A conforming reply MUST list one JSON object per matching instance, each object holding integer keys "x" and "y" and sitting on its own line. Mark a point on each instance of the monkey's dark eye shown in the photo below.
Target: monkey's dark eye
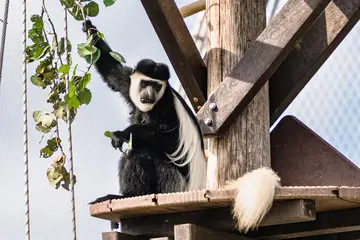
{"x": 143, "y": 84}
{"x": 157, "y": 87}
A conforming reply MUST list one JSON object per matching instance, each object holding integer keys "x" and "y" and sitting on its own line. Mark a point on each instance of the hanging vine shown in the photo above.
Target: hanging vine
{"x": 50, "y": 74}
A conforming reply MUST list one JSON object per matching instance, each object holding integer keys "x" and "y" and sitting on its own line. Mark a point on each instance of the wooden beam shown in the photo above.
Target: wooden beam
{"x": 336, "y": 236}
{"x": 193, "y": 232}
{"x": 192, "y": 8}
{"x": 258, "y": 64}
{"x": 180, "y": 48}
{"x": 311, "y": 52}
{"x": 232, "y": 26}
{"x": 119, "y": 236}
{"x": 218, "y": 219}
{"x": 325, "y": 223}
{"x": 297, "y": 149}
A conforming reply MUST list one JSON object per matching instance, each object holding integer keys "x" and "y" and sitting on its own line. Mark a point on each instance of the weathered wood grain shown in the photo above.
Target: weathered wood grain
{"x": 218, "y": 219}
{"x": 311, "y": 52}
{"x": 258, "y": 64}
{"x": 194, "y": 232}
{"x": 119, "y": 236}
{"x": 180, "y": 48}
{"x": 325, "y": 223}
{"x": 232, "y": 26}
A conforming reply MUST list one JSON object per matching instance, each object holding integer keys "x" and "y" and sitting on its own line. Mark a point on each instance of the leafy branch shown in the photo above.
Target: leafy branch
{"x": 51, "y": 74}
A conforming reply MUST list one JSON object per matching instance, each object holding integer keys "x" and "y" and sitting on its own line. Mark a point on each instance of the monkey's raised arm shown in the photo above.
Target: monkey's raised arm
{"x": 112, "y": 71}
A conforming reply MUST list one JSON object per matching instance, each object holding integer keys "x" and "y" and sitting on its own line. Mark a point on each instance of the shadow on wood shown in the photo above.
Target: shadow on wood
{"x": 302, "y": 158}
{"x": 193, "y": 232}
{"x": 325, "y": 223}
{"x": 218, "y": 219}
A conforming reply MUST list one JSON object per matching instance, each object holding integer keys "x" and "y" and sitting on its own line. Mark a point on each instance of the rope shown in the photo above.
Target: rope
{"x": 26, "y": 156}
{"x": 72, "y": 180}
{"x": 3, "y": 36}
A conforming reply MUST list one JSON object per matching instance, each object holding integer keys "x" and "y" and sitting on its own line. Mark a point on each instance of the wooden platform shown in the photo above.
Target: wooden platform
{"x": 326, "y": 199}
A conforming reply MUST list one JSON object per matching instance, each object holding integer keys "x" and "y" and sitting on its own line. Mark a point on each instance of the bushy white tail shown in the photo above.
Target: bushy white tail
{"x": 255, "y": 192}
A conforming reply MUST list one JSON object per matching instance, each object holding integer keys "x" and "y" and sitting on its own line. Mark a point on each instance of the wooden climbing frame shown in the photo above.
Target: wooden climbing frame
{"x": 320, "y": 193}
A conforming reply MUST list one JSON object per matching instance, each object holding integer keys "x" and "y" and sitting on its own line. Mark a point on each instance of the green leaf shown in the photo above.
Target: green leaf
{"x": 84, "y": 96}
{"x": 100, "y": 35}
{"x": 46, "y": 152}
{"x": 118, "y": 57}
{"x": 108, "y": 134}
{"x": 84, "y": 81}
{"x": 64, "y": 69}
{"x": 62, "y": 46}
{"x": 129, "y": 145}
{"x": 85, "y": 49}
{"x": 108, "y": 3}
{"x": 53, "y": 144}
{"x": 93, "y": 59}
{"x": 71, "y": 89}
{"x": 60, "y": 109}
{"x": 45, "y": 122}
{"x": 72, "y": 102}
{"x": 37, "y": 115}
{"x": 67, "y": 3}
{"x": 37, "y": 82}
{"x": 54, "y": 176}
{"x": 91, "y": 9}
{"x": 76, "y": 13}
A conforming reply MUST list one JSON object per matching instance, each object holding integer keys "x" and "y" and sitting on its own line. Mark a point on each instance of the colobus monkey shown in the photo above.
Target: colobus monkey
{"x": 167, "y": 148}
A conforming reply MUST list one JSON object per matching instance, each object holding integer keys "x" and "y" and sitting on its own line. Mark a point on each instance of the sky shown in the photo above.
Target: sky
{"x": 328, "y": 105}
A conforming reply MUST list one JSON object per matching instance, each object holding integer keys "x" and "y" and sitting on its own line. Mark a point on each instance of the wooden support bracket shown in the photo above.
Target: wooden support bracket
{"x": 296, "y": 148}
{"x": 258, "y": 64}
{"x": 310, "y": 53}
{"x": 325, "y": 223}
{"x": 180, "y": 48}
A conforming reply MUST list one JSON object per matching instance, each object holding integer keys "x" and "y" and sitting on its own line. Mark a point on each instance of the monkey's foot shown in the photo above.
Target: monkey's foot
{"x": 107, "y": 197}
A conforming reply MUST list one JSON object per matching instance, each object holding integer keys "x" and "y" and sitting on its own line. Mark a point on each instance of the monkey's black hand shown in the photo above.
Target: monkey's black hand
{"x": 88, "y": 27}
{"x": 118, "y": 138}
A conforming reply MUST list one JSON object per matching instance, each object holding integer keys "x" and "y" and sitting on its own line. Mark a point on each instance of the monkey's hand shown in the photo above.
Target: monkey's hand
{"x": 89, "y": 28}
{"x": 118, "y": 138}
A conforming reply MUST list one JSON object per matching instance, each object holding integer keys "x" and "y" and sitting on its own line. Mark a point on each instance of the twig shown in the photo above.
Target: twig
{"x": 54, "y": 31}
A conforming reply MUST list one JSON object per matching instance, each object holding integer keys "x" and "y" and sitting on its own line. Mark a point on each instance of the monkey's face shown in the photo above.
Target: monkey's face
{"x": 146, "y": 92}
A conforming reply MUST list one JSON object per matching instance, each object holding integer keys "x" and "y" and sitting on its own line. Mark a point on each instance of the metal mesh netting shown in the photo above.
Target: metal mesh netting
{"x": 329, "y": 102}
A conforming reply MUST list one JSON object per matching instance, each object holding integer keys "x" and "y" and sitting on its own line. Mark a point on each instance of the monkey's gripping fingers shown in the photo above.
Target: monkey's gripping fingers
{"x": 118, "y": 138}
{"x": 88, "y": 27}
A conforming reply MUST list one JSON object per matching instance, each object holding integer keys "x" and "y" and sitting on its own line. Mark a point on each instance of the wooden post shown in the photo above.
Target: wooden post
{"x": 232, "y": 26}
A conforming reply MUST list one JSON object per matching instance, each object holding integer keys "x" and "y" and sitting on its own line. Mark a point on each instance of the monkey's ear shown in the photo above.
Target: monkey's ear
{"x": 153, "y": 69}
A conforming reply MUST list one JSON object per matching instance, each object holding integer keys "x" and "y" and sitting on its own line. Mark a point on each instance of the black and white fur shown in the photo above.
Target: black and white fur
{"x": 167, "y": 148}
